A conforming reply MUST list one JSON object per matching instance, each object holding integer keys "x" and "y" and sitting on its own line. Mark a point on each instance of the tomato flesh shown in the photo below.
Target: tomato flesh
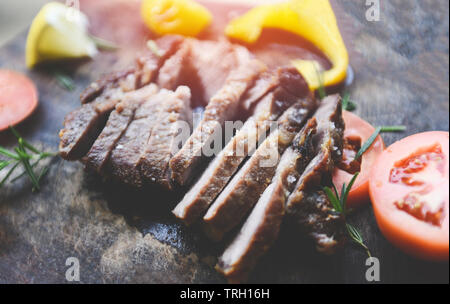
{"x": 406, "y": 171}
{"x": 409, "y": 189}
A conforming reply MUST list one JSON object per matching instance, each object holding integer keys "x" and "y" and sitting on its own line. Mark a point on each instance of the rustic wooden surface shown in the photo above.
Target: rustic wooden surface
{"x": 401, "y": 66}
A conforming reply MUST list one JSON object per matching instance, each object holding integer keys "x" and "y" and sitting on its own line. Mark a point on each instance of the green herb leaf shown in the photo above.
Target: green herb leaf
{"x": 368, "y": 143}
{"x": 64, "y": 81}
{"x": 344, "y": 194}
{"x": 23, "y": 158}
{"x": 24, "y": 142}
{"x": 8, "y": 175}
{"x": 8, "y": 154}
{"x": 333, "y": 199}
{"x": 104, "y": 44}
{"x": 347, "y": 104}
{"x": 321, "y": 89}
{"x": 357, "y": 237}
{"x": 386, "y": 129}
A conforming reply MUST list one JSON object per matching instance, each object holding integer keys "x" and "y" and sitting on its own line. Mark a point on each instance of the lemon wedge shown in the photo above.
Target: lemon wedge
{"x": 58, "y": 32}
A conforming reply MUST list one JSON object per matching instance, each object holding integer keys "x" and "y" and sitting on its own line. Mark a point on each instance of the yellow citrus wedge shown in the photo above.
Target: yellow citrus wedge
{"x": 58, "y": 32}
{"x": 183, "y": 17}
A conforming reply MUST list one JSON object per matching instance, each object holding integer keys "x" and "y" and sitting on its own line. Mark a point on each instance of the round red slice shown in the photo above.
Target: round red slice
{"x": 409, "y": 188}
{"x": 357, "y": 132}
{"x": 18, "y": 98}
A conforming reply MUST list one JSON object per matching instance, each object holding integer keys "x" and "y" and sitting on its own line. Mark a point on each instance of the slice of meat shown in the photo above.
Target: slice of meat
{"x": 125, "y": 158}
{"x": 164, "y": 141}
{"x": 308, "y": 206}
{"x": 222, "y": 107}
{"x": 212, "y": 62}
{"x": 263, "y": 225}
{"x": 172, "y": 73}
{"x": 244, "y": 190}
{"x": 150, "y": 63}
{"x": 84, "y": 125}
{"x": 265, "y": 83}
{"x": 96, "y": 88}
{"x": 223, "y": 167}
{"x": 118, "y": 122}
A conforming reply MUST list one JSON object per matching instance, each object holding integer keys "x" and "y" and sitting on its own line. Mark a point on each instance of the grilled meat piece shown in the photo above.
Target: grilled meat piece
{"x": 222, "y": 107}
{"x": 84, "y": 125}
{"x": 223, "y": 167}
{"x": 130, "y": 150}
{"x": 244, "y": 190}
{"x": 262, "y": 226}
{"x": 117, "y": 124}
{"x": 308, "y": 206}
{"x": 164, "y": 142}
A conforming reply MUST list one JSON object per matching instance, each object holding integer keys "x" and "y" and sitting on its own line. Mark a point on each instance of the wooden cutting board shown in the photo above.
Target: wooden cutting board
{"x": 401, "y": 67}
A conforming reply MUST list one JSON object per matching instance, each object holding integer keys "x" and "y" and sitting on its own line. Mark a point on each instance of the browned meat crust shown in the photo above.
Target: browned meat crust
{"x": 250, "y": 182}
{"x": 263, "y": 225}
{"x": 222, "y": 107}
{"x": 118, "y": 122}
{"x": 164, "y": 142}
{"x": 308, "y": 206}
{"x": 129, "y": 151}
{"x": 84, "y": 125}
{"x": 223, "y": 167}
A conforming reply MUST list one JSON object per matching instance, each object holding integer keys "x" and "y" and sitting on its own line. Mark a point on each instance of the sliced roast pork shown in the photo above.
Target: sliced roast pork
{"x": 308, "y": 206}
{"x": 117, "y": 124}
{"x": 129, "y": 151}
{"x": 244, "y": 190}
{"x": 223, "y": 107}
{"x": 167, "y": 136}
{"x": 262, "y": 226}
{"x": 223, "y": 167}
{"x": 83, "y": 126}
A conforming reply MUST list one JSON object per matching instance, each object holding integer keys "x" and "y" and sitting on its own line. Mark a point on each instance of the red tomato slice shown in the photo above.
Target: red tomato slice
{"x": 357, "y": 132}
{"x": 18, "y": 98}
{"x": 409, "y": 188}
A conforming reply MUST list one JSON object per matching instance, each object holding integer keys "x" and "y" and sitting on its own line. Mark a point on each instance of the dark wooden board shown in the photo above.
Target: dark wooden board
{"x": 401, "y": 66}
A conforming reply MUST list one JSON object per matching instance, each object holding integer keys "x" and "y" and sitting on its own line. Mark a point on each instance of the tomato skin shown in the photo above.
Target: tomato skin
{"x": 18, "y": 98}
{"x": 413, "y": 236}
{"x": 356, "y": 127}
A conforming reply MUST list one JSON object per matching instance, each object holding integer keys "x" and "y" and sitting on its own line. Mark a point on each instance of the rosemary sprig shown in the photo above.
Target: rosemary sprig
{"x": 64, "y": 81}
{"x": 374, "y": 136}
{"x": 339, "y": 203}
{"x": 23, "y": 154}
{"x": 387, "y": 129}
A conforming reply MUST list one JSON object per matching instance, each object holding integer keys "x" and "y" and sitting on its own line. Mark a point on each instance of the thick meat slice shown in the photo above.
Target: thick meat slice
{"x": 83, "y": 126}
{"x": 308, "y": 206}
{"x": 164, "y": 141}
{"x": 149, "y": 64}
{"x": 212, "y": 62}
{"x": 248, "y": 184}
{"x": 110, "y": 81}
{"x": 222, "y": 107}
{"x": 126, "y": 157}
{"x": 223, "y": 167}
{"x": 263, "y": 225}
{"x": 117, "y": 123}
{"x": 172, "y": 73}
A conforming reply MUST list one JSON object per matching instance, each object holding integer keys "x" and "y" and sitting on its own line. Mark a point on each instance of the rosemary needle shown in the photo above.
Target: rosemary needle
{"x": 64, "y": 81}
